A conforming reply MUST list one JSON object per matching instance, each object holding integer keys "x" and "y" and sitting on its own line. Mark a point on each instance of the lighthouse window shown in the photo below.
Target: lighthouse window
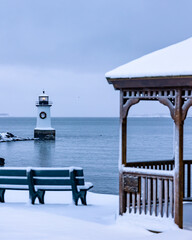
{"x": 43, "y": 115}
{"x": 43, "y": 99}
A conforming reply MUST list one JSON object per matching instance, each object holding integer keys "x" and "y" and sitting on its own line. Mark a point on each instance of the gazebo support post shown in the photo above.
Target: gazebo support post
{"x": 122, "y": 155}
{"x": 124, "y": 109}
{"x": 178, "y": 179}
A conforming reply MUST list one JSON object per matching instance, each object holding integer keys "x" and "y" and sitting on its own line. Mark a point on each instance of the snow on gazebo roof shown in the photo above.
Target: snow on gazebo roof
{"x": 175, "y": 60}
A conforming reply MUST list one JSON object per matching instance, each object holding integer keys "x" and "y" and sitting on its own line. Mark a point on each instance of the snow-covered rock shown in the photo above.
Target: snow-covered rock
{"x": 9, "y": 137}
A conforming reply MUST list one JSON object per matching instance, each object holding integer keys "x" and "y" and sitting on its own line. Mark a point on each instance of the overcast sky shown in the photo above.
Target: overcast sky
{"x": 66, "y": 46}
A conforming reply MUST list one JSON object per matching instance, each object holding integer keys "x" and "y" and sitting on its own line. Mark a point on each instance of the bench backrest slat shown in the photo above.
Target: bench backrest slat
{"x": 13, "y": 181}
{"x": 13, "y": 172}
{"x": 51, "y": 181}
{"x": 50, "y": 173}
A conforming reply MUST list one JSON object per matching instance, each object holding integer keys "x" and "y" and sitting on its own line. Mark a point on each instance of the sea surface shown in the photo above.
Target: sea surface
{"x": 93, "y": 144}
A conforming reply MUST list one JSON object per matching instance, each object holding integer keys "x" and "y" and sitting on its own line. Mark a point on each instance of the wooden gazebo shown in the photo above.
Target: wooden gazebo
{"x": 156, "y": 187}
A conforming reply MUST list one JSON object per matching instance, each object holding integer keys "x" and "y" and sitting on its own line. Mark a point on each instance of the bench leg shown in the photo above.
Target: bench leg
{"x": 2, "y": 193}
{"x": 32, "y": 198}
{"x": 75, "y": 198}
{"x": 41, "y": 194}
{"x": 83, "y": 197}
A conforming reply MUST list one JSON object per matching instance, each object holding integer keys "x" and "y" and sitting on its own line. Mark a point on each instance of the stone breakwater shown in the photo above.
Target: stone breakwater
{"x": 9, "y": 137}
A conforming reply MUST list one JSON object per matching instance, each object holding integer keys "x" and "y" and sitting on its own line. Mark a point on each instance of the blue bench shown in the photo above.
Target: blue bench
{"x": 40, "y": 180}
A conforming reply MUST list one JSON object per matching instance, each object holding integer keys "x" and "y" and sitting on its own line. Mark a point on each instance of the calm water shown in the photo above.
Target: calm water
{"x": 92, "y": 143}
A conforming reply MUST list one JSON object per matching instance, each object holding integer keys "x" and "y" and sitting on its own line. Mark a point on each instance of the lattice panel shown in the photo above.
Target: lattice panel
{"x": 187, "y": 94}
{"x": 155, "y": 94}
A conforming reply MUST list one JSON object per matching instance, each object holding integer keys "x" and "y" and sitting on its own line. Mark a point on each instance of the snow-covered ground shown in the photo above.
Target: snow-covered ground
{"x": 58, "y": 218}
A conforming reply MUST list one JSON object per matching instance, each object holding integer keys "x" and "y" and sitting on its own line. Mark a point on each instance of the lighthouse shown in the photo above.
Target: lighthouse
{"x": 43, "y": 128}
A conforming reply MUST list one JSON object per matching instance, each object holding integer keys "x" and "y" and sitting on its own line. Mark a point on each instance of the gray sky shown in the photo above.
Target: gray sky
{"x": 65, "y": 47}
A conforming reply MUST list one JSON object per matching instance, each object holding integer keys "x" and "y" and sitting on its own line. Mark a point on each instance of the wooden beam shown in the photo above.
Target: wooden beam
{"x": 172, "y": 82}
{"x": 178, "y": 179}
{"x": 123, "y": 132}
{"x": 122, "y": 157}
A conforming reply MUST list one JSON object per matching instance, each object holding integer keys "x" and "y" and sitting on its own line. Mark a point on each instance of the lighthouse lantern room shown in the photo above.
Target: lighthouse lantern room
{"x": 43, "y": 128}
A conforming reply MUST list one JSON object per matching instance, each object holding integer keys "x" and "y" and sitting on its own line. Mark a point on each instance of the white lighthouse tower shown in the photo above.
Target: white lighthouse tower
{"x": 43, "y": 128}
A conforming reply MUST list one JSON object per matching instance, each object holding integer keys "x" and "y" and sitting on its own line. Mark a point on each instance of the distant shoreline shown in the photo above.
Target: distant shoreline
{"x": 141, "y": 116}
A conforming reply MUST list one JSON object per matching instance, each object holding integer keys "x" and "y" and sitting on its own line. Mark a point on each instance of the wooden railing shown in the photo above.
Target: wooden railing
{"x": 169, "y": 165}
{"x": 149, "y": 191}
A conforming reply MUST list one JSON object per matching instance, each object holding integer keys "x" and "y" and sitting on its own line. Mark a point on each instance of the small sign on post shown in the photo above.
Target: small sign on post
{"x": 130, "y": 183}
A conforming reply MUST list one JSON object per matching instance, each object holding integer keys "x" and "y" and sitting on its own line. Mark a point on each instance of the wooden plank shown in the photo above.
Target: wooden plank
{"x": 122, "y": 196}
{"x": 50, "y": 173}
{"x": 129, "y": 202}
{"x": 155, "y": 196}
{"x": 163, "y": 166}
{"x": 171, "y": 82}
{"x": 172, "y": 199}
{"x": 144, "y": 194}
{"x": 56, "y": 181}
{"x": 189, "y": 180}
{"x": 13, "y": 172}
{"x": 166, "y": 197}
{"x": 51, "y": 182}
{"x": 151, "y": 163}
{"x": 160, "y": 188}
{"x": 184, "y": 191}
{"x": 163, "y": 175}
{"x": 178, "y": 179}
{"x": 149, "y": 195}
{"x": 124, "y": 141}
{"x": 14, "y": 181}
{"x": 133, "y": 203}
{"x": 139, "y": 203}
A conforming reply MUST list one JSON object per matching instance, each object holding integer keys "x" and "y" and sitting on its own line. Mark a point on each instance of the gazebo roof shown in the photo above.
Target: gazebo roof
{"x": 168, "y": 67}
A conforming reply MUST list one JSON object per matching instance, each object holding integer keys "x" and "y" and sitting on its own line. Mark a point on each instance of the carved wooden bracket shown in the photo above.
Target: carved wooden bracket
{"x": 171, "y": 107}
{"x": 127, "y": 105}
{"x": 169, "y": 104}
{"x": 185, "y": 108}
